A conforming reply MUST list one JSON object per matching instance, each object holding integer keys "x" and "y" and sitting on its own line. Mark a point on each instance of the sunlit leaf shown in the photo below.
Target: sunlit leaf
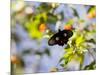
{"x": 80, "y": 39}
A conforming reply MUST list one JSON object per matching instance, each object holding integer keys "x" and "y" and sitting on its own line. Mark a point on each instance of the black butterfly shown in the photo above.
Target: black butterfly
{"x": 60, "y": 38}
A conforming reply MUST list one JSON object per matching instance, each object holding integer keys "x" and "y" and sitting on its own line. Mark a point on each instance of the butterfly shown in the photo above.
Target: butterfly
{"x": 60, "y": 38}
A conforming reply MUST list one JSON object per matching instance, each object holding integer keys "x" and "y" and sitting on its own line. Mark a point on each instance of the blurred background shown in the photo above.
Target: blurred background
{"x": 32, "y": 25}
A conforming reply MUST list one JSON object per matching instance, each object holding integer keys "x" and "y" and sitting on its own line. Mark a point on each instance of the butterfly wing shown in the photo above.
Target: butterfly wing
{"x": 59, "y": 38}
{"x": 52, "y": 40}
{"x": 55, "y": 39}
{"x": 68, "y": 32}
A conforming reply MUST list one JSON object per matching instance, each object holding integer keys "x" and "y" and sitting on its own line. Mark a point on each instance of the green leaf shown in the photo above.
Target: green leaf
{"x": 47, "y": 52}
{"x": 61, "y": 59}
{"x": 91, "y": 8}
{"x": 91, "y": 66}
{"x": 70, "y": 22}
{"x": 75, "y": 12}
{"x": 62, "y": 65}
{"x": 80, "y": 39}
{"x": 44, "y": 7}
{"x": 51, "y": 18}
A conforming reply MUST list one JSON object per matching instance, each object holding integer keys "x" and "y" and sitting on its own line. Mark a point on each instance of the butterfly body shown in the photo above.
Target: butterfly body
{"x": 60, "y": 38}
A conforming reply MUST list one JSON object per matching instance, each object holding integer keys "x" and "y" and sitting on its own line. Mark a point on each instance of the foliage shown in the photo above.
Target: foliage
{"x": 37, "y": 25}
{"x": 77, "y": 47}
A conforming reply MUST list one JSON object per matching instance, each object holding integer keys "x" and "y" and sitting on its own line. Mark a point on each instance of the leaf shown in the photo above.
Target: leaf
{"x": 61, "y": 59}
{"x": 69, "y": 49}
{"x": 44, "y": 7}
{"x": 70, "y": 22}
{"x": 68, "y": 46}
{"x": 80, "y": 58}
{"x": 51, "y": 18}
{"x": 47, "y": 52}
{"x": 44, "y": 15}
{"x": 91, "y": 8}
{"x": 75, "y": 12}
{"x": 62, "y": 65}
{"x": 80, "y": 39}
{"x": 91, "y": 41}
{"x": 38, "y": 53}
{"x": 35, "y": 34}
{"x": 91, "y": 66}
